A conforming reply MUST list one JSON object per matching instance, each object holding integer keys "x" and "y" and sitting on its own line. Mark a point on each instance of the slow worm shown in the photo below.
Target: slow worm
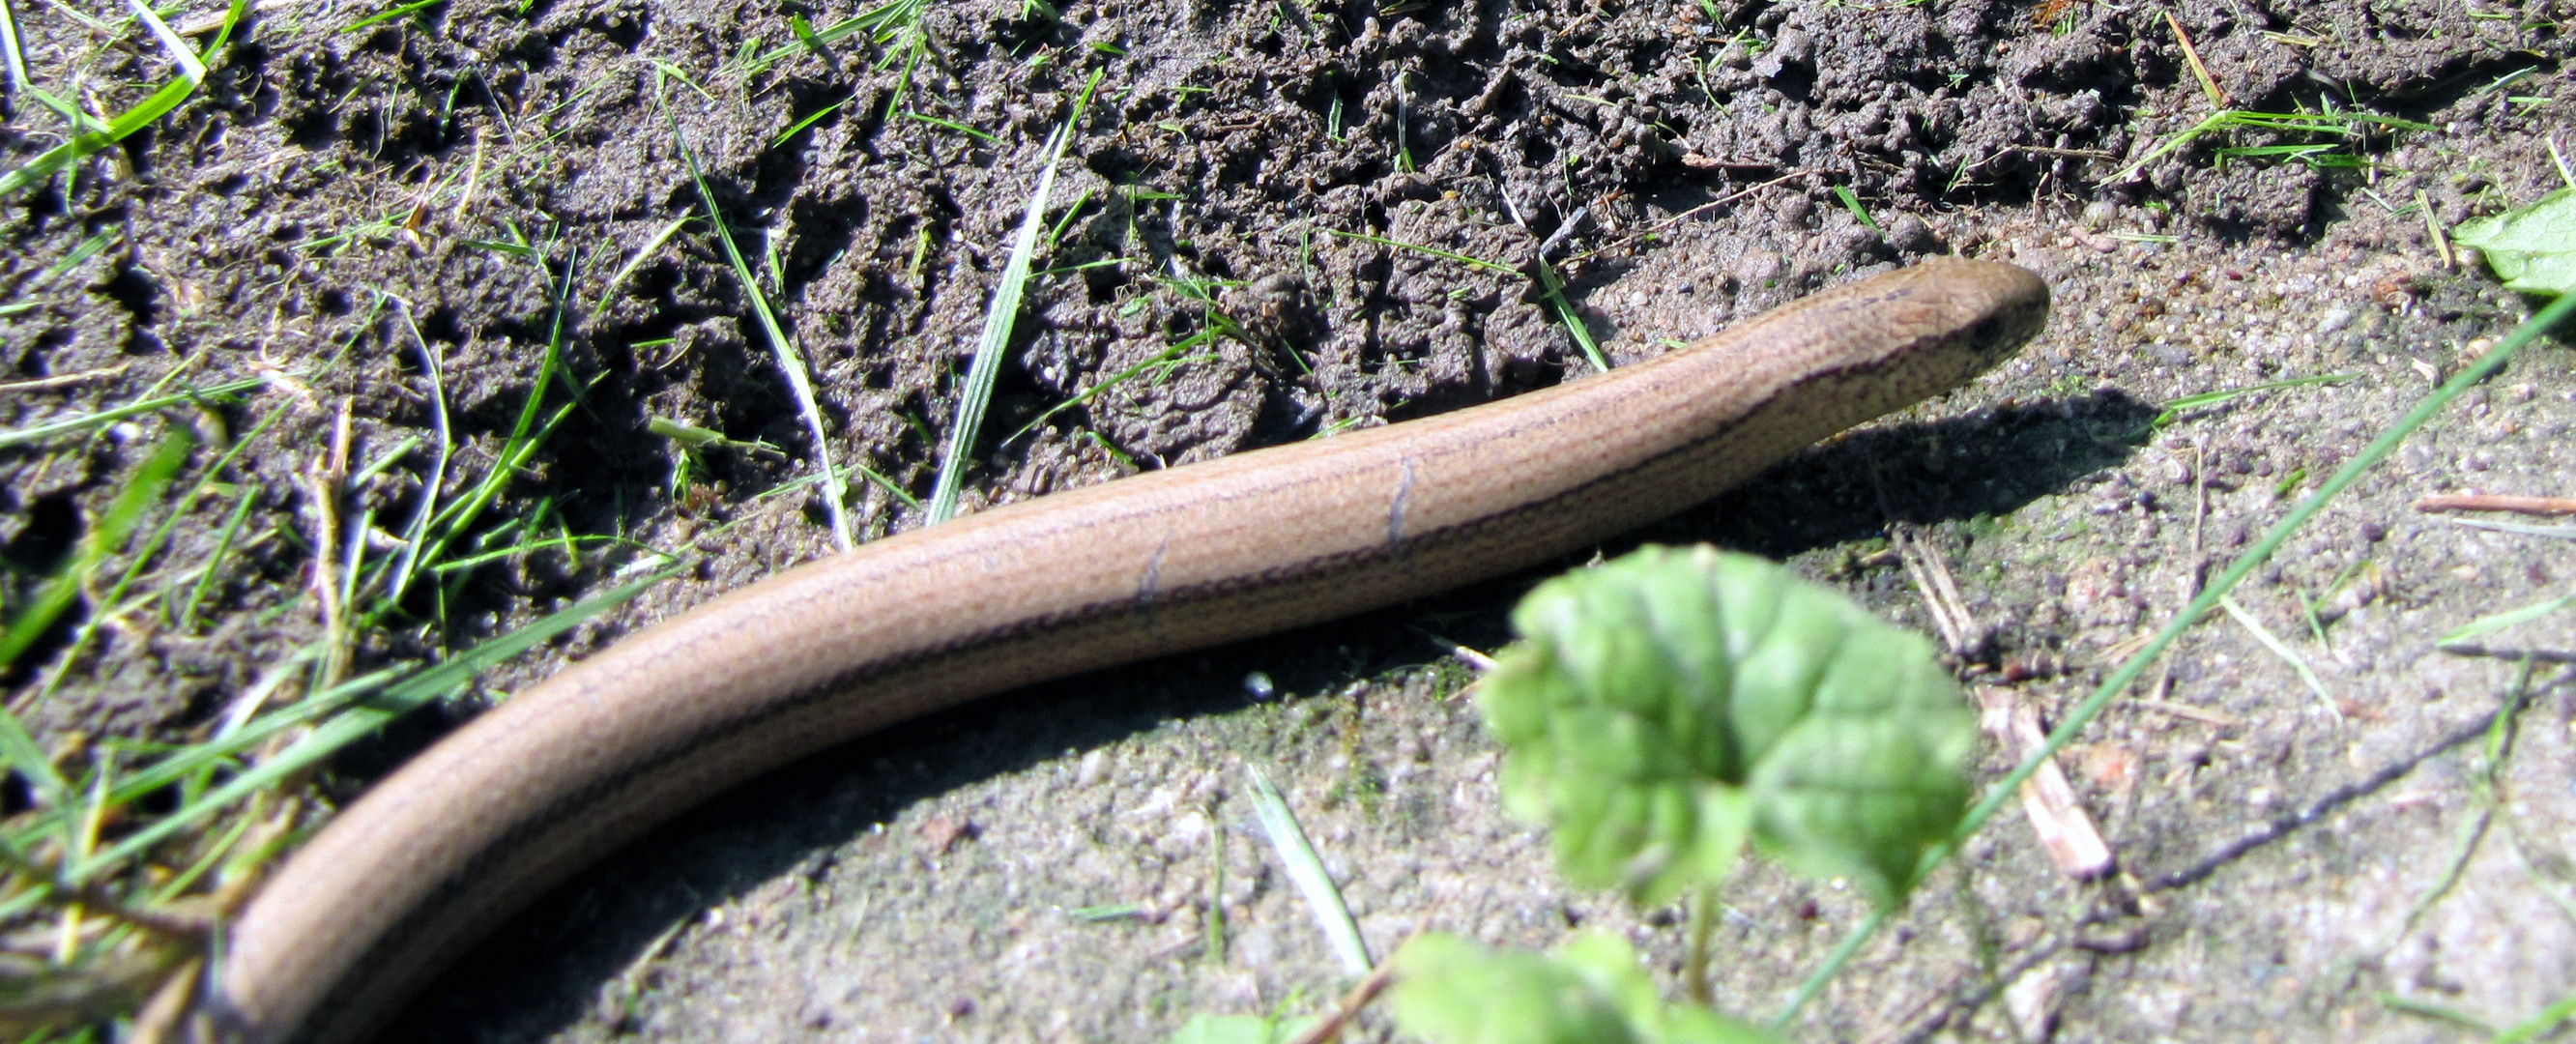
{"x": 435, "y": 856}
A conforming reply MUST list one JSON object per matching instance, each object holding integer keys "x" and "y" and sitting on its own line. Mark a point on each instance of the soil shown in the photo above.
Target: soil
{"x": 482, "y": 184}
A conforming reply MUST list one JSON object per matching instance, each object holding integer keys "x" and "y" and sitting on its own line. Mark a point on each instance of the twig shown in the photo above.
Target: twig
{"x": 2433, "y": 230}
{"x": 2282, "y": 649}
{"x": 2280, "y": 825}
{"x": 2496, "y": 502}
{"x": 2204, "y": 715}
{"x": 213, "y": 20}
{"x": 473, "y": 180}
{"x": 322, "y": 483}
{"x": 1475, "y": 660}
{"x": 63, "y": 380}
{"x": 2068, "y": 153}
{"x": 160, "y": 1018}
{"x": 2199, "y": 495}
{"x": 1931, "y": 575}
{"x": 2065, "y": 830}
{"x": 1659, "y": 226}
{"x": 176, "y": 925}
{"x": 1359, "y": 997}
{"x": 2502, "y": 653}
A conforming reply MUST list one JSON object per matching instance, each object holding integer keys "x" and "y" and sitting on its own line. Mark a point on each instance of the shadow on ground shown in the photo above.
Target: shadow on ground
{"x": 539, "y": 974}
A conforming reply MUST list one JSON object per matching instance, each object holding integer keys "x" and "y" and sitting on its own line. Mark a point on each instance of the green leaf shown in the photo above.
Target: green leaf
{"x": 1590, "y": 991}
{"x": 2531, "y": 247}
{"x": 1666, "y": 707}
{"x": 1240, "y": 1029}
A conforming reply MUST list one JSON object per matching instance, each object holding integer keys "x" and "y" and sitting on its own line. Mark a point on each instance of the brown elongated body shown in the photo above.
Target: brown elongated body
{"x": 435, "y": 856}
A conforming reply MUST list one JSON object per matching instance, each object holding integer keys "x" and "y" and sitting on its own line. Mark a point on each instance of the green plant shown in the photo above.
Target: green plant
{"x": 128, "y": 850}
{"x": 689, "y": 440}
{"x": 89, "y": 135}
{"x": 2531, "y": 247}
{"x": 1851, "y": 202}
{"x": 1664, "y": 708}
{"x": 1589, "y": 991}
{"x": 1660, "y": 713}
{"x": 893, "y": 28}
{"x": 2340, "y": 124}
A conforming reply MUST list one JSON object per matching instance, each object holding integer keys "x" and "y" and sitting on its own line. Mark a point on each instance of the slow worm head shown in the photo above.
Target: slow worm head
{"x": 434, "y": 857}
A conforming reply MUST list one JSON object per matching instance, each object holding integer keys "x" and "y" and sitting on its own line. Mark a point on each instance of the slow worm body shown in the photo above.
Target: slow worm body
{"x": 435, "y": 856}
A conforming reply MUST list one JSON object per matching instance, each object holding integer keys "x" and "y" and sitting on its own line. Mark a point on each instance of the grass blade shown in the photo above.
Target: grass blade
{"x": 2176, "y": 408}
{"x": 2508, "y": 618}
{"x": 18, "y": 750}
{"x": 49, "y": 429}
{"x": 1573, "y": 320}
{"x": 105, "y": 538}
{"x": 2430, "y": 1010}
{"x": 527, "y": 434}
{"x": 2531, "y": 1028}
{"x": 190, "y": 65}
{"x": 642, "y": 254}
{"x": 2566, "y": 532}
{"x": 417, "y": 531}
{"x": 999, "y": 317}
{"x": 13, "y": 54}
{"x": 1166, "y": 357}
{"x": 1306, "y": 870}
{"x": 780, "y": 347}
{"x": 2282, "y": 649}
{"x": 1445, "y": 255}
{"x": 112, "y": 601}
{"x": 186, "y": 618}
{"x": 192, "y": 69}
{"x": 361, "y": 720}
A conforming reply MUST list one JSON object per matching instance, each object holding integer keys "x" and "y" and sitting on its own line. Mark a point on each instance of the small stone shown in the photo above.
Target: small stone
{"x": 1757, "y": 267}
{"x": 1908, "y": 234}
{"x": 2032, "y": 1002}
{"x": 942, "y": 834}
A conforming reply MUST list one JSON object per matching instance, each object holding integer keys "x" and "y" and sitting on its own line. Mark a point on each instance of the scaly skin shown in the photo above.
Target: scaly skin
{"x": 437, "y": 855}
